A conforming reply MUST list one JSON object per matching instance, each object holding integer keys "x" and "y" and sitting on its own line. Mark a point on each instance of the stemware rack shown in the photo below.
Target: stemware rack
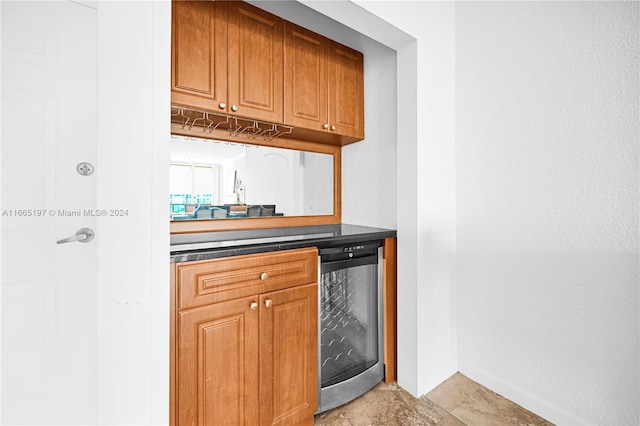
{"x": 210, "y": 121}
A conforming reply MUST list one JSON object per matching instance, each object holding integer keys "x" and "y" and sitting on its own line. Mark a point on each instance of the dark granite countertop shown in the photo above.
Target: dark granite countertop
{"x": 210, "y": 245}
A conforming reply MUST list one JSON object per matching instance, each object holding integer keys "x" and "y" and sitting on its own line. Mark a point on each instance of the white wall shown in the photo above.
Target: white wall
{"x": 547, "y": 133}
{"x": 133, "y": 258}
{"x": 425, "y": 187}
{"x": 369, "y": 176}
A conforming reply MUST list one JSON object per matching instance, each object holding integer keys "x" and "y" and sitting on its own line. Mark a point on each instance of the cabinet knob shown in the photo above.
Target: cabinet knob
{"x": 222, "y": 105}
{"x": 268, "y": 303}
{"x": 234, "y": 108}
{"x": 253, "y": 306}
{"x": 264, "y": 276}
{"x": 333, "y": 127}
{"x": 325, "y": 126}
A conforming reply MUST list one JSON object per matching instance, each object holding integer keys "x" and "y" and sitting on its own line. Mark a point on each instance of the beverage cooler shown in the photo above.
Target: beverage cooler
{"x": 350, "y": 324}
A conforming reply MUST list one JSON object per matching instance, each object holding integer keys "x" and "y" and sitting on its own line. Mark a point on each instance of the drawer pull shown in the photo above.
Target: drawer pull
{"x": 268, "y": 303}
{"x": 253, "y": 306}
{"x": 264, "y": 276}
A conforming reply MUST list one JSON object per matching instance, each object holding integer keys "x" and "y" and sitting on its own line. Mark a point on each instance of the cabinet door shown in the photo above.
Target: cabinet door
{"x": 346, "y": 91}
{"x": 199, "y": 53}
{"x": 305, "y": 78}
{"x": 289, "y": 356}
{"x": 255, "y": 62}
{"x": 217, "y": 364}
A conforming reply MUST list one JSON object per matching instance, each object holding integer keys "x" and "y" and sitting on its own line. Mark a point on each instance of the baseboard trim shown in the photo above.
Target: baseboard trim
{"x": 435, "y": 377}
{"x": 522, "y": 397}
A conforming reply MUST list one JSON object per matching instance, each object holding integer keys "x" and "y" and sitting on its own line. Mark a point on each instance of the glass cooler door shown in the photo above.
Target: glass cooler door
{"x": 348, "y": 319}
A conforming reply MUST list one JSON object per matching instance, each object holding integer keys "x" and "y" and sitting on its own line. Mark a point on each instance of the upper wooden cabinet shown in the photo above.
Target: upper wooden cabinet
{"x": 199, "y": 53}
{"x": 346, "y": 91}
{"x": 305, "y": 78}
{"x": 227, "y": 57}
{"x": 234, "y": 58}
{"x": 324, "y": 86}
{"x": 255, "y": 62}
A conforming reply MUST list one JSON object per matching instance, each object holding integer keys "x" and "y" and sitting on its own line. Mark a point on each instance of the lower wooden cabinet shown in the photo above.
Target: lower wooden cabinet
{"x": 289, "y": 356}
{"x": 218, "y": 355}
{"x": 249, "y": 360}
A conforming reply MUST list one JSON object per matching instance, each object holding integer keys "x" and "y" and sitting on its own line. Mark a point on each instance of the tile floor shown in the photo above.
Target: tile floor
{"x": 458, "y": 401}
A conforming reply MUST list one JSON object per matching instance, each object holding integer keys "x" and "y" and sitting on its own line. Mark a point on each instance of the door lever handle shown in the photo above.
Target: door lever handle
{"x": 84, "y": 235}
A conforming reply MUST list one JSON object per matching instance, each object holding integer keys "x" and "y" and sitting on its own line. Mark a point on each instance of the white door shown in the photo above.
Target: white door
{"x": 48, "y": 290}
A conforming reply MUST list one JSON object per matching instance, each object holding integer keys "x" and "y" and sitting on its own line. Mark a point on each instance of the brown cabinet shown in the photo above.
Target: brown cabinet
{"x": 234, "y": 58}
{"x": 218, "y": 355}
{"x": 245, "y": 340}
{"x": 289, "y": 356}
{"x": 199, "y": 53}
{"x": 255, "y": 62}
{"x": 324, "y": 84}
{"x": 227, "y": 57}
{"x": 346, "y": 91}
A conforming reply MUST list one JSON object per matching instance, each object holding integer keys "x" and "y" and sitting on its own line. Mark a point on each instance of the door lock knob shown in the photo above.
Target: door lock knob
{"x": 85, "y": 169}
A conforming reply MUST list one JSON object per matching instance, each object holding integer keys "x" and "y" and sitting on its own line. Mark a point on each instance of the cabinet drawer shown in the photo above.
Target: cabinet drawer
{"x": 217, "y": 280}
